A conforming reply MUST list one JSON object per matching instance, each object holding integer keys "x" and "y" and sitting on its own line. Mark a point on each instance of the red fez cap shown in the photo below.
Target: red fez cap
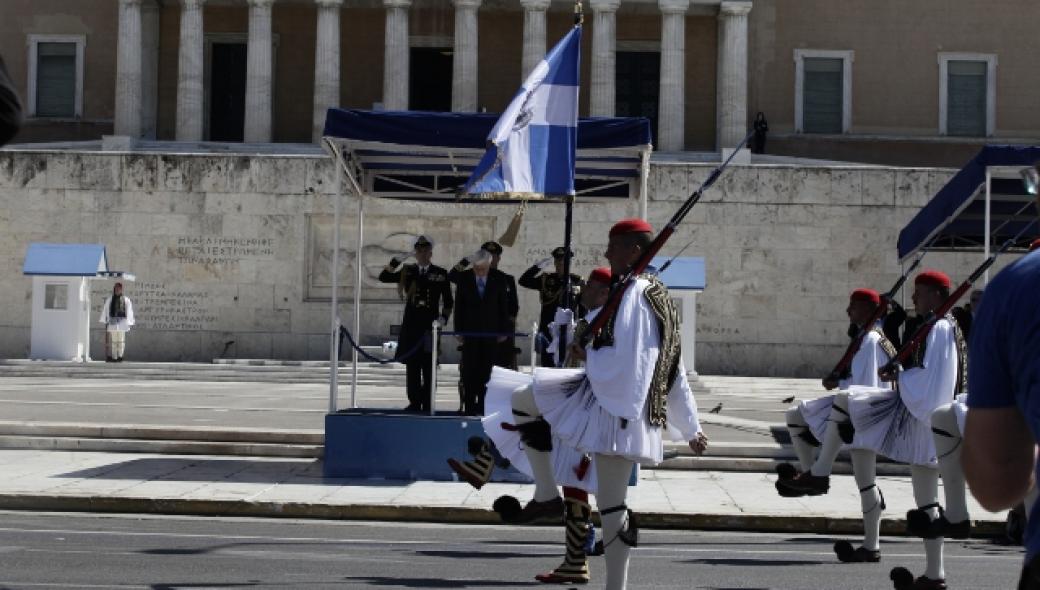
{"x": 866, "y": 295}
{"x": 600, "y": 275}
{"x": 933, "y": 278}
{"x": 633, "y": 225}
{"x": 1035, "y": 245}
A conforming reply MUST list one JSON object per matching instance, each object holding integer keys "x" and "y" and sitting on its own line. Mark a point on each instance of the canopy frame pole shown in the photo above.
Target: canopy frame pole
{"x": 644, "y": 182}
{"x": 358, "y": 266}
{"x": 986, "y": 233}
{"x": 334, "y": 343}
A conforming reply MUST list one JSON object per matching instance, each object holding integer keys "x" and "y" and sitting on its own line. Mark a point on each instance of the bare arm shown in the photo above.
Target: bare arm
{"x": 998, "y": 456}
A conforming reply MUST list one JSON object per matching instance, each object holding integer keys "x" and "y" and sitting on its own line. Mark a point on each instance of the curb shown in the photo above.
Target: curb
{"x": 444, "y": 514}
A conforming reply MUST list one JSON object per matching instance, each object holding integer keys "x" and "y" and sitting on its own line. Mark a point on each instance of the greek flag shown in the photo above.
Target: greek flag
{"x": 531, "y": 149}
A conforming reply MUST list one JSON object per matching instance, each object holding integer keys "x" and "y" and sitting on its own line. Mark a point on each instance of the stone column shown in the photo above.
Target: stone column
{"x": 534, "y": 34}
{"x": 258, "y": 73}
{"x": 189, "y": 73}
{"x": 128, "y": 70}
{"x": 671, "y": 124}
{"x": 464, "y": 64}
{"x": 395, "y": 57}
{"x": 326, "y": 63}
{"x": 732, "y": 82}
{"x": 604, "y": 41}
{"x": 149, "y": 68}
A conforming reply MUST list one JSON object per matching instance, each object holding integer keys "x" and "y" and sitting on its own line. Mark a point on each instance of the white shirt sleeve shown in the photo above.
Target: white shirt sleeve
{"x": 104, "y": 310}
{"x": 682, "y": 408}
{"x": 923, "y": 389}
{"x": 129, "y": 312}
{"x": 620, "y": 375}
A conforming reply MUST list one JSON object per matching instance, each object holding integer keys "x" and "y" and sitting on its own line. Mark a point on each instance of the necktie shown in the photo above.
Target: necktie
{"x": 480, "y": 286}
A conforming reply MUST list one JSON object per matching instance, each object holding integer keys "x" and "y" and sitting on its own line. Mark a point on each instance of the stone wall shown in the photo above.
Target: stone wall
{"x": 237, "y": 248}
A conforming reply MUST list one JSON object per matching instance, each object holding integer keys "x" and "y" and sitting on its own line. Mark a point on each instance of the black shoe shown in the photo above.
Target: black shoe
{"x": 804, "y": 484}
{"x": 109, "y": 359}
{"x": 509, "y": 509}
{"x": 846, "y": 554}
{"x": 413, "y": 408}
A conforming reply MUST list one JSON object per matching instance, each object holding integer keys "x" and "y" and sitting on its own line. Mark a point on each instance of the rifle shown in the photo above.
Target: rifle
{"x": 933, "y": 316}
{"x": 619, "y": 288}
{"x": 887, "y": 298}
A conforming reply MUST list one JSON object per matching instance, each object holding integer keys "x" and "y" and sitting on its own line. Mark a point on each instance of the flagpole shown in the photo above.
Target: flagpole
{"x": 568, "y": 225}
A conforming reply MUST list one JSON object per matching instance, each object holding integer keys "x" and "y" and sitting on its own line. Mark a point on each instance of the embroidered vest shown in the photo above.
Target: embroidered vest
{"x": 917, "y": 358}
{"x": 667, "y": 367}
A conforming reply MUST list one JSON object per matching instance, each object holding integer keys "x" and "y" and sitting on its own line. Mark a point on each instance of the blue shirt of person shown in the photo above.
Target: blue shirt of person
{"x": 1004, "y": 362}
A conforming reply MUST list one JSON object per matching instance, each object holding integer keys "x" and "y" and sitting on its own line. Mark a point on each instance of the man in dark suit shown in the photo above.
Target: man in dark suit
{"x": 483, "y": 300}
{"x": 425, "y": 289}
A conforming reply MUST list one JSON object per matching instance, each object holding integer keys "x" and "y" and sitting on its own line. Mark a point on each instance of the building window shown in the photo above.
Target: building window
{"x": 822, "y": 91}
{"x": 56, "y": 296}
{"x": 56, "y": 76}
{"x": 638, "y": 85}
{"x": 967, "y": 94}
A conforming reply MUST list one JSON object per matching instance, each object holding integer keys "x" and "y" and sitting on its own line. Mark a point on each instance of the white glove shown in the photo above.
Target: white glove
{"x": 397, "y": 259}
{"x": 564, "y": 317}
{"x": 545, "y": 263}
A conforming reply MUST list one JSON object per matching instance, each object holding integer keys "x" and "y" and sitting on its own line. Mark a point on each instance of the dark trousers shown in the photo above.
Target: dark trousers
{"x": 420, "y": 373}
{"x": 477, "y": 359}
{"x": 1030, "y": 575}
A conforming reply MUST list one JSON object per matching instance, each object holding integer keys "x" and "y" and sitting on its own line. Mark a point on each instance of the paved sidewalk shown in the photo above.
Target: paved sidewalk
{"x": 172, "y": 484}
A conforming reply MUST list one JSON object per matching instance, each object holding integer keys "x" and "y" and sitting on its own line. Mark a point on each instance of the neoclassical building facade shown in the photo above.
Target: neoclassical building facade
{"x": 864, "y": 80}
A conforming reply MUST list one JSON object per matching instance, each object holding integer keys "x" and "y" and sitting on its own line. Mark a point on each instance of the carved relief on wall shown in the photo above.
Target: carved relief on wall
{"x": 384, "y": 237}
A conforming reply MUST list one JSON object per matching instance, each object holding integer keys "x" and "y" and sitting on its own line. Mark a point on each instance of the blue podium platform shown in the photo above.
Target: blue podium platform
{"x": 391, "y": 444}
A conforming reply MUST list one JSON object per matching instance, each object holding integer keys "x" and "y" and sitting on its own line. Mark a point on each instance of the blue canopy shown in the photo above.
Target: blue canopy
{"x": 955, "y": 217}
{"x": 424, "y": 155}
{"x": 71, "y": 260}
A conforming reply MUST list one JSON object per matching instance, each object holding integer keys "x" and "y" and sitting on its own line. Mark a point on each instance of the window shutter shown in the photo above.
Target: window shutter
{"x": 822, "y": 90}
{"x": 56, "y": 80}
{"x": 966, "y": 98}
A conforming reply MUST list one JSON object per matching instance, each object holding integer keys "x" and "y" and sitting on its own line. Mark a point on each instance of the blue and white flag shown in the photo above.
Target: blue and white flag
{"x": 532, "y": 147}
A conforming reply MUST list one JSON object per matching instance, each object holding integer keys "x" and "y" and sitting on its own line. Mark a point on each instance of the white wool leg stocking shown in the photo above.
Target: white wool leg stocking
{"x": 864, "y": 468}
{"x": 541, "y": 465}
{"x": 948, "y": 448}
{"x": 796, "y": 425}
{"x": 613, "y": 473}
{"x": 926, "y": 491}
{"x": 831, "y": 443}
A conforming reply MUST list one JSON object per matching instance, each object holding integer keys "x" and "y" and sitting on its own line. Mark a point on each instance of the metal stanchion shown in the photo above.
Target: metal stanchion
{"x": 534, "y": 340}
{"x": 433, "y": 368}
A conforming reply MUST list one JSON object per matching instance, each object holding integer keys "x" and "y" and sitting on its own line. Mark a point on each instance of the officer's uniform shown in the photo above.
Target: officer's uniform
{"x": 550, "y": 289}
{"x": 427, "y": 296}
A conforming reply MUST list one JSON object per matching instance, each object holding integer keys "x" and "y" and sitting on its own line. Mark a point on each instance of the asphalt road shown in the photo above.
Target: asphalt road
{"x": 102, "y": 552}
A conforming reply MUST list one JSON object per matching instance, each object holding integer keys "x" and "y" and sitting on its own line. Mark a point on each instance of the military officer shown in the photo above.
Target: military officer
{"x": 426, "y": 291}
{"x": 550, "y": 290}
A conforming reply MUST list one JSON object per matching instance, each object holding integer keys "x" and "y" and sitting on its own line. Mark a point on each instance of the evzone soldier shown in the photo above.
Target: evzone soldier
{"x": 808, "y": 423}
{"x": 571, "y": 468}
{"x": 897, "y": 423}
{"x": 425, "y": 289}
{"x": 632, "y": 391}
{"x": 117, "y": 314}
{"x": 546, "y": 276}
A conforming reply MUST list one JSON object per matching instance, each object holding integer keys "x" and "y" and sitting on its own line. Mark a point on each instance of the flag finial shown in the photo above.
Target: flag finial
{"x": 579, "y": 16}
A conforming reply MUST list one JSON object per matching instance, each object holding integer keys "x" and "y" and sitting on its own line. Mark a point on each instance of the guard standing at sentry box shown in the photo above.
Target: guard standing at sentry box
{"x": 425, "y": 289}
{"x": 117, "y": 314}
